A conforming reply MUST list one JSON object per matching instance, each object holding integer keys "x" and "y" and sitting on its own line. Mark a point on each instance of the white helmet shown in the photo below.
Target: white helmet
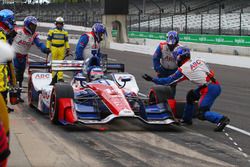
{"x": 95, "y": 73}
{"x": 59, "y": 20}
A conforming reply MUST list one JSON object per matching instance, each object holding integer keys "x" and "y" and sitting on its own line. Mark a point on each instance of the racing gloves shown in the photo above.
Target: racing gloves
{"x": 147, "y": 77}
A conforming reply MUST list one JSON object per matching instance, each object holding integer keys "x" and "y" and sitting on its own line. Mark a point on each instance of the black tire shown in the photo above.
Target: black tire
{"x": 60, "y": 90}
{"x": 160, "y": 94}
{"x": 30, "y": 95}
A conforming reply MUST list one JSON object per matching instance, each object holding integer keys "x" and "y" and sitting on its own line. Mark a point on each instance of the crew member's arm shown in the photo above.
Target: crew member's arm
{"x": 40, "y": 45}
{"x": 83, "y": 41}
{"x": 174, "y": 78}
{"x": 157, "y": 59}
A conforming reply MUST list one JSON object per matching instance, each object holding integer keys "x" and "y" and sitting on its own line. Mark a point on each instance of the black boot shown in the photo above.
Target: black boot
{"x": 185, "y": 123}
{"x": 222, "y": 124}
{"x": 19, "y": 91}
{"x": 10, "y": 109}
{"x": 20, "y": 100}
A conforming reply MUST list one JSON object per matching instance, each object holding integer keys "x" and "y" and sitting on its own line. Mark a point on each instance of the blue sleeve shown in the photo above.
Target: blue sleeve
{"x": 169, "y": 80}
{"x": 39, "y": 44}
{"x": 83, "y": 41}
{"x": 157, "y": 59}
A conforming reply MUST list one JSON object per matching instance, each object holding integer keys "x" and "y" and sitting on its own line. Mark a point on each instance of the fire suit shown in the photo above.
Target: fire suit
{"x": 208, "y": 89}
{"x": 87, "y": 46}
{"x": 58, "y": 41}
{"x": 22, "y": 43}
{"x": 164, "y": 63}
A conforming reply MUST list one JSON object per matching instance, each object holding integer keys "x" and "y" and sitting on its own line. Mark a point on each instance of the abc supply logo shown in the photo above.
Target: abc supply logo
{"x": 42, "y": 76}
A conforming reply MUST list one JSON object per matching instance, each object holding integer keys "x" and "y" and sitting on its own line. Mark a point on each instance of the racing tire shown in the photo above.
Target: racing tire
{"x": 160, "y": 94}
{"x": 60, "y": 90}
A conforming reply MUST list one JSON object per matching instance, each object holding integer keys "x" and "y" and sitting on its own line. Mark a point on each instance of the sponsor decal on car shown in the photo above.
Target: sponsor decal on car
{"x": 42, "y": 76}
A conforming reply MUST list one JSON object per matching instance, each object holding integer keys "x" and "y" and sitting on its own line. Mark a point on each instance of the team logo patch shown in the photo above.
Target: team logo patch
{"x": 195, "y": 64}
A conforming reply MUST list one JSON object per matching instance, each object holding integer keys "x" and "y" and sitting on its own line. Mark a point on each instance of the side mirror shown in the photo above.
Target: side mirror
{"x": 126, "y": 79}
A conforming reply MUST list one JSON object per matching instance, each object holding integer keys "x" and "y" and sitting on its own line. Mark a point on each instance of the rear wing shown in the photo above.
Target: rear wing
{"x": 66, "y": 65}
{"x": 73, "y": 65}
{"x": 58, "y": 65}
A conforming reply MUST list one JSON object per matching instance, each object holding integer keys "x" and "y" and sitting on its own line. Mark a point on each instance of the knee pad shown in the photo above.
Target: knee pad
{"x": 201, "y": 113}
{"x": 192, "y": 97}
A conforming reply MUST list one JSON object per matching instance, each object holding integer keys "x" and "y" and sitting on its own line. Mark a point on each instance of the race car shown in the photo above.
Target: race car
{"x": 115, "y": 95}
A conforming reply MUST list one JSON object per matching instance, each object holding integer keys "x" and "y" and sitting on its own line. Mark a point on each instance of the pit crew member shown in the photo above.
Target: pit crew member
{"x": 208, "y": 88}
{"x": 89, "y": 43}
{"x": 58, "y": 43}
{"x": 163, "y": 60}
{"x": 25, "y": 38}
{"x": 7, "y": 32}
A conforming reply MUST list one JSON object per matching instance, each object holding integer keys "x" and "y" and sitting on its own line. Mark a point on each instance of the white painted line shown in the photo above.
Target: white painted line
{"x": 245, "y": 155}
{"x": 238, "y": 130}
{"x": 230, "y": 138}
{"x": 40, "y": 57}
{"x": 235, "y": 144}
{"x": 239, "y": 149}
{"x": 226, "y": 133}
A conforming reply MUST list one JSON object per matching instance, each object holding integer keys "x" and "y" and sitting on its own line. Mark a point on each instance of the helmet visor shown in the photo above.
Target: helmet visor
{"x": 171, "y": 40}
{"x": 32, "y": 28}
{"x": 59, "y": 25}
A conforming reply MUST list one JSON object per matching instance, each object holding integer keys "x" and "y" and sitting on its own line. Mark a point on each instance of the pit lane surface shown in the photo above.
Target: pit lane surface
{"x": 131, "y": 143}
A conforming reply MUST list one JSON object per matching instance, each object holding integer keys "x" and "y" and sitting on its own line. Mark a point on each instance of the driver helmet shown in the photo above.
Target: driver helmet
{"x": 95, "y": 73}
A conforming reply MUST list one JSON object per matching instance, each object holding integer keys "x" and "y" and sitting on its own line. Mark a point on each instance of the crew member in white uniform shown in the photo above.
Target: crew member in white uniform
{"x": 208, "y": 89}
{"x": 25, "y": 38}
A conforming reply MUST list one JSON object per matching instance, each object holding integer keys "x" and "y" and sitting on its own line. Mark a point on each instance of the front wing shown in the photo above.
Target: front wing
{"x": 153, "y": 115}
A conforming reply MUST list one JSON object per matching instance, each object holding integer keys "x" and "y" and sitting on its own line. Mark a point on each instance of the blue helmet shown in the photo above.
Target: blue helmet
{"x": 7, "y": 18}
{"x": 172, "y": 39}
{"x": 181, "y": 54}
{"x": 30, "y": 23}
{"x": 99, "y": 30}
